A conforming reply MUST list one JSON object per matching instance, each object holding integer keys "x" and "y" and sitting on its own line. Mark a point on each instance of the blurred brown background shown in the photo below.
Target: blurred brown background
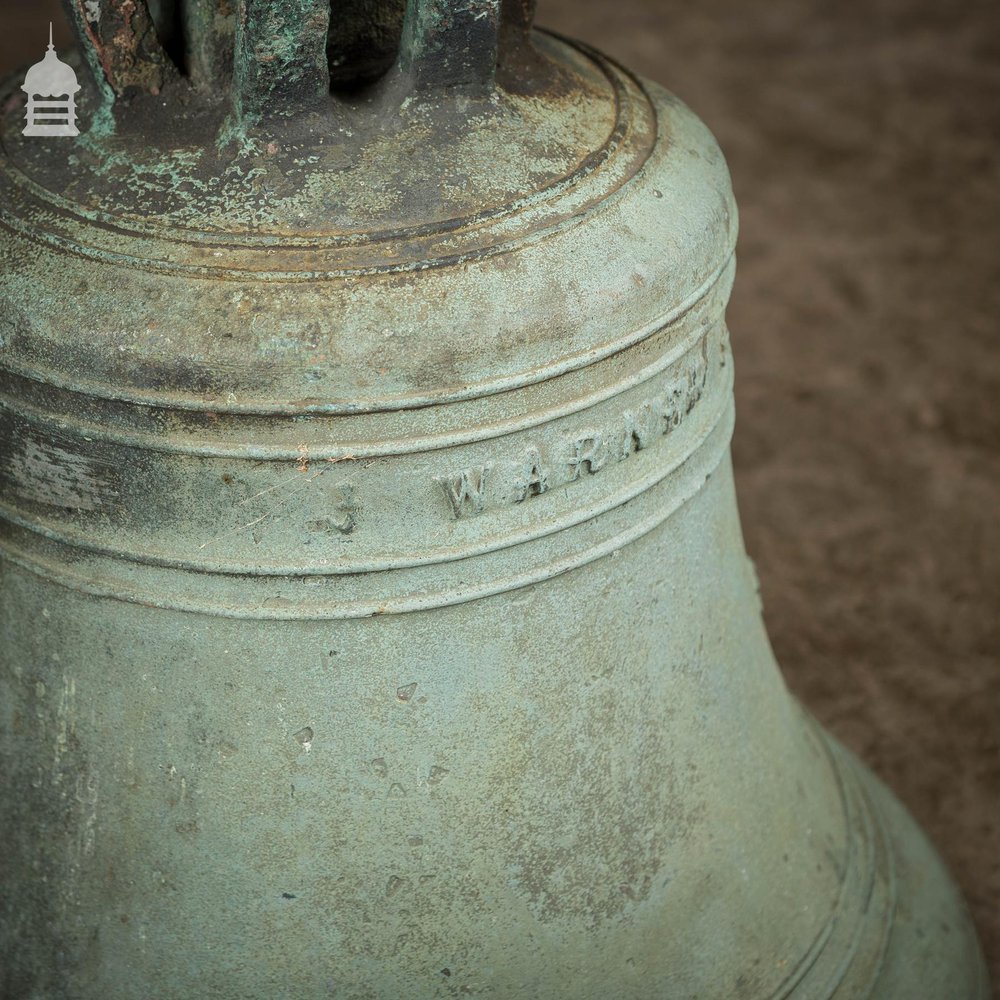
{"x": 863, "y": 137}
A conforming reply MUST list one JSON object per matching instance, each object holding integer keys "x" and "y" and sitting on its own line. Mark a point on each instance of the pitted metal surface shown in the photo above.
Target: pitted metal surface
{"x": 376, "y": 619}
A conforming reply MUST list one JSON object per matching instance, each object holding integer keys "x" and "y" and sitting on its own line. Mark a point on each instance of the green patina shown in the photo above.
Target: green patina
{"x": 375, "y": 621}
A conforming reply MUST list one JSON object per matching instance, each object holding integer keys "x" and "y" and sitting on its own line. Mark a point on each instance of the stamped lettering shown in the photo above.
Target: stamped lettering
{"x": 588, "y": 453}
{"x": 534, "y": 481}
{"x": 571, "y": 458}
{"x": 466, "y": 490}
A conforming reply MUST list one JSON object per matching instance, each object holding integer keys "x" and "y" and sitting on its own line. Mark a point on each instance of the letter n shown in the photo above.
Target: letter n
{"x": 640, "y": 429}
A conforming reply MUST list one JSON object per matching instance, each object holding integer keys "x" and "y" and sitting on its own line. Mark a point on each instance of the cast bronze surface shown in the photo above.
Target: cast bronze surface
{"x": 376, "y": 617}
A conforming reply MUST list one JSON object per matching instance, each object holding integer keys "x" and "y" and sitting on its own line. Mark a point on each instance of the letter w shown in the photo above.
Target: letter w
{"x": 466, "y": 492}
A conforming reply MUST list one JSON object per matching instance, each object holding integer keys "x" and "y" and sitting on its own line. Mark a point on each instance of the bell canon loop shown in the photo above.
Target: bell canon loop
{"x": 376, "y": 622}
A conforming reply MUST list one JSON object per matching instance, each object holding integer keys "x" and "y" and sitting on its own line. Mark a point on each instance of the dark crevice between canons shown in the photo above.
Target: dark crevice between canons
{"x": 291, "y": 52}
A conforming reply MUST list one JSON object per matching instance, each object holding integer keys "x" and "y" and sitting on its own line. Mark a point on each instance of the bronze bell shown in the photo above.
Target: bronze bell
{"x": 376, "y": 621}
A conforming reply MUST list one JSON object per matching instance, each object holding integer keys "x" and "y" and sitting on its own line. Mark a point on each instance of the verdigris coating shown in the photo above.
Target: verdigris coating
{"x": 376, "y": 620}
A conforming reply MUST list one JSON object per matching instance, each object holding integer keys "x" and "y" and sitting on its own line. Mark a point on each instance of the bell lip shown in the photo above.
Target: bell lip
{"x": 928, "y": 910}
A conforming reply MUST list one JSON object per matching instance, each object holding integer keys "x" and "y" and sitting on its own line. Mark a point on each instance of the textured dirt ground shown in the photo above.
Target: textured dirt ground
{"x": 863, "y": 137}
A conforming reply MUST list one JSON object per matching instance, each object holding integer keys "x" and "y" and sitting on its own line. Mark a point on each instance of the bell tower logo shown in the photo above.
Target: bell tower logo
{"x": 51, "y": 86}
